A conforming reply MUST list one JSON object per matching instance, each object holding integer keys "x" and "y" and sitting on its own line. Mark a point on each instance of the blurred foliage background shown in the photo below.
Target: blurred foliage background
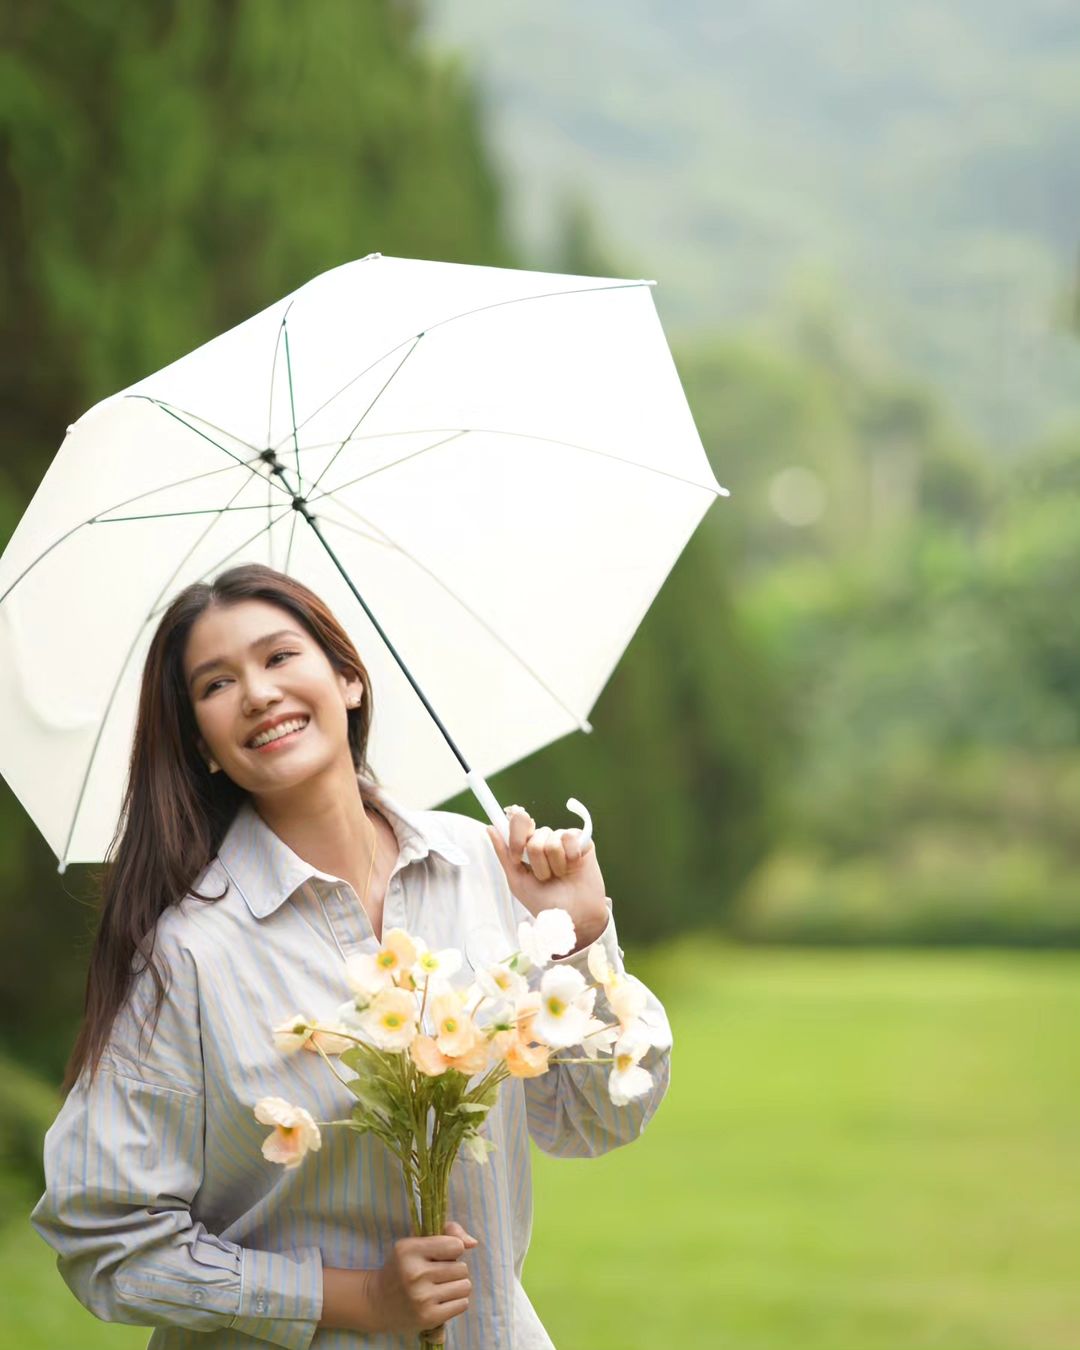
{"x": 851, "y": 717}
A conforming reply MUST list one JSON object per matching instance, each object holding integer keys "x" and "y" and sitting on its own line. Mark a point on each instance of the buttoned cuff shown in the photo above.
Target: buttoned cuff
{"x": 280, "y": 1296}
{"x": 607, "y": 939}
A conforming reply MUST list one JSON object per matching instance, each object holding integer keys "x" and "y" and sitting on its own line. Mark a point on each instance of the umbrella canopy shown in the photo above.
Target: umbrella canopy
{"x": 503, "y": 462}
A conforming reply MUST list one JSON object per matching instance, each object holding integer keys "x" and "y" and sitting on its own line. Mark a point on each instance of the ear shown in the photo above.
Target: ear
{"x": 352, "y": 691}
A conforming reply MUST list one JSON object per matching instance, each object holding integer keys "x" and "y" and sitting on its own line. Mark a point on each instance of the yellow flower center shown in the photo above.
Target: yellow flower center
{"x": 392, "y": 1020}
{"x": 623, "y": 1062}
{"x": 450, "y": 1026}
{"x": 429, "y": 961}
{"x": 387, "y": 960}
{"x": 556, "y": 1007}
{"x": 287, "y": 1129}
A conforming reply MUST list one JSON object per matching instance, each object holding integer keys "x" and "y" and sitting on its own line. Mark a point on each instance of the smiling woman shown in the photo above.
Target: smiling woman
{"x": 256, "y": 854}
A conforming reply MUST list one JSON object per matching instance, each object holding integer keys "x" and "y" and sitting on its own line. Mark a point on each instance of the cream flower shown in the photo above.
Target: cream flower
{"x": 390, "y": 1019}
{"x": 295, "y": 1132}
{"x": 427, "y": 1056}
{"x": 627, "y": 998}
{"x": 566, "y": 1004}
{"x": 397, "y": 953}
{"x": 550, "y": 934}
{"x": 527, "y": 1061}
{"x": 455, "y": 1031}
{"x": 291, "y": 1034}
{"x": 626, "y": 995}
{"x": 627, "y": 1079}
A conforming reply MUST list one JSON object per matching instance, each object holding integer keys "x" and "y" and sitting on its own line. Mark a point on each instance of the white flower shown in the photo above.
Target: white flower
{"x": 291, "y": 1034}
{"x": 627, "y": 1079}
{"x": 597, "y": 1037}
{"x": 443, "y": 963}
{"x": 626, "y": 995}
{"x": 550, "y": 934}
{"x": 366, "y": 977}
{"x": 653, "y": 1025}
{"x": 499, "y": 981}
{"x": 566, "y": 1005}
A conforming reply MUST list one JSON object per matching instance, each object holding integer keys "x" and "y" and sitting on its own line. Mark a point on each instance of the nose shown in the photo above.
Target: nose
{"x": 260, "y": 693}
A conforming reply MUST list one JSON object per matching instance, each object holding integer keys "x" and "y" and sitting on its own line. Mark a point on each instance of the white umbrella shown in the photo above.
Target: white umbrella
{"x": 492, "y": 470}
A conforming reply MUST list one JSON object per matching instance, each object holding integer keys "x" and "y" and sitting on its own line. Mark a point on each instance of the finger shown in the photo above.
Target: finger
{"x": 538, "y": 859}
{"x": 572, "y": 846}
{"x": 521, "y": 826}
{"x": 445, "y": 1272}
{"x": 450, "y": 1293}
{"x": 499, "y": 846}
{"x": 555, "y": 854}
{"x": 454, "y": 1229}
{"x": 448, "y": 1310}
{"x": 440, "y": 1248}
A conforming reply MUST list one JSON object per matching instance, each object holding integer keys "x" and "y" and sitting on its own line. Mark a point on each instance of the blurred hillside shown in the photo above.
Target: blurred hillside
{"x": 920, "y": 159}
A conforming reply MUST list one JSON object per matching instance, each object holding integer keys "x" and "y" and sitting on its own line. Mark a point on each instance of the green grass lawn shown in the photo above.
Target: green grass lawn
{"x": 858, "y": 1152}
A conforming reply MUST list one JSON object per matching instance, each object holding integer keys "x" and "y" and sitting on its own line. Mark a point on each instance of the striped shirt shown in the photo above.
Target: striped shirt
{"x": 158, "y": 1200}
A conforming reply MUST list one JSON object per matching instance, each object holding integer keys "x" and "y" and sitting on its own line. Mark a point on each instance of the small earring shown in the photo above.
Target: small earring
{"x": 213, "y": 766}
{"x": 354, "y": 701}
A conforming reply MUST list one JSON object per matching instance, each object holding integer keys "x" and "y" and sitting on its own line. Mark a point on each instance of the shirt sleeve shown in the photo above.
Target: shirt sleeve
{"x": 123, "y": 1163}
{"x": 570, "y": 1112}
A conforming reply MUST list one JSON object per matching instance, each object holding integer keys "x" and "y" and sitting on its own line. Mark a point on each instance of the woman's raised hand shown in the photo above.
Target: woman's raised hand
{"x": 561, "y": 873}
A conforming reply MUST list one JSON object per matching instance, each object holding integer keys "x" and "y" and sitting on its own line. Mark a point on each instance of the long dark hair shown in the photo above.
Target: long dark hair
{"x": 175, "y": 813}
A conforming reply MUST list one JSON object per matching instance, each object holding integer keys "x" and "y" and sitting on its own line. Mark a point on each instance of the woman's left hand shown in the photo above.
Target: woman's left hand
{"x": 562, "y": 874}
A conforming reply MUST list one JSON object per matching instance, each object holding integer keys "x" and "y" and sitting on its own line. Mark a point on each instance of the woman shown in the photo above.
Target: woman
{"x": 255, "y": 853}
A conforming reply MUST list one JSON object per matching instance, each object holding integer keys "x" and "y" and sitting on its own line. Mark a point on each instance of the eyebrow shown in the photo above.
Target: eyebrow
{"x": 263, "y": 641}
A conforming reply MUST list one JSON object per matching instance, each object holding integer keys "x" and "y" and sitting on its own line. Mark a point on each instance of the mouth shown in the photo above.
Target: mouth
{"x": 278, "y": 736}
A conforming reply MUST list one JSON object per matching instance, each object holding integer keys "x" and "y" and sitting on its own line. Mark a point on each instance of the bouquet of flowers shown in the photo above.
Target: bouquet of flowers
{"x": 428, "y": 1058}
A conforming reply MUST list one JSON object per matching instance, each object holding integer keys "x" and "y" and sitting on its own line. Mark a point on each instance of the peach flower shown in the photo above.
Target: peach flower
{"x": 295, "y": 1132}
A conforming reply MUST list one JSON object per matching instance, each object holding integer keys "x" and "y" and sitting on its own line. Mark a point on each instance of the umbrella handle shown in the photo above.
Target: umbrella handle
{"x": 497, "y": 815}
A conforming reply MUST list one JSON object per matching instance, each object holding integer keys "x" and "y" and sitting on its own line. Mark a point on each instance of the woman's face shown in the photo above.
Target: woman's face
{"x": 252, "y": 667}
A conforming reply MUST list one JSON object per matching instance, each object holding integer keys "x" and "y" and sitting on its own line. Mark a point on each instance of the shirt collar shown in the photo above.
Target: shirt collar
{"x": 266, "y": 871}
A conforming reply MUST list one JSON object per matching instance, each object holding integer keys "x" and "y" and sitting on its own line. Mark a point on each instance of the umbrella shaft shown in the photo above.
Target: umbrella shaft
{"x": 301, "y": 507}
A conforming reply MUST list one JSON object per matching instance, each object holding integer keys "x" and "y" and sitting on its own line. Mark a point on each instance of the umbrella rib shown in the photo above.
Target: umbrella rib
{"x": 344, "y": 443}
{"x": 165, "y": 408}
{"x": 371, "y": 472}
{"x": 238, "y": 549}
{"x": 465, "y": 313}
{"x": 292, "y": 536}
{"x": 120, "y": 675}
{"x": 516, "y": 656}
{"x": 273, "y": 373}
{"x": 519, "y": 435}
{"x": 170, "y": 515}
{"x": 292, "y": 401}
{"x": 180, "y": 482}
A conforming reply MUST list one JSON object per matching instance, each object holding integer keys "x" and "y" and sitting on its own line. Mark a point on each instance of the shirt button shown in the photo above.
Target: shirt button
{"x": 260, "y": 1304}
{"x": 198, "y": 1295}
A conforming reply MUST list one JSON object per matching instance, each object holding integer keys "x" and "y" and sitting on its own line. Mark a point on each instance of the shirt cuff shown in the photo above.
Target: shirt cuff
{"x": 280, "y": 1296}
{"x": 607, "y": 939}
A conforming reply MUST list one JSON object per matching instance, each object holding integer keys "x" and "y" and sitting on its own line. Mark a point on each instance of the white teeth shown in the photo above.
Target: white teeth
{"x": 276, "y": 733}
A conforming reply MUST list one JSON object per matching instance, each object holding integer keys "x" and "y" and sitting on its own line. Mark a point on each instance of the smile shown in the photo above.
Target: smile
{"x": 279, "y": 735}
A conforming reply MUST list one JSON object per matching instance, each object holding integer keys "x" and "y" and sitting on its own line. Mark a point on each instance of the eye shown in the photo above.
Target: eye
{"x": 214, "y": 683}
